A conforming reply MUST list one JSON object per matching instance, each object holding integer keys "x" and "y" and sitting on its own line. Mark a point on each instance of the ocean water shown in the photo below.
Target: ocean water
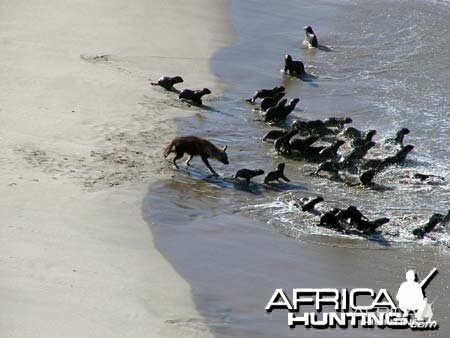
{"x": 384, "y": 64}
{"x": 384, "y": 68}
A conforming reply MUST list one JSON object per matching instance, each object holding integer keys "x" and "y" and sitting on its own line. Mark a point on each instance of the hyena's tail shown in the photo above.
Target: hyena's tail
{"x": 168, "y": 149}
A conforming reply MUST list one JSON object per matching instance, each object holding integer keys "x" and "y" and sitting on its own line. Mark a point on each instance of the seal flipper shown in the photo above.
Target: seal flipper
{"x": 284, "y": 178}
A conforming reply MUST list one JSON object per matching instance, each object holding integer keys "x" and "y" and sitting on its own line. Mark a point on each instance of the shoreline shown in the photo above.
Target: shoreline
{"x": 82, "y": 138}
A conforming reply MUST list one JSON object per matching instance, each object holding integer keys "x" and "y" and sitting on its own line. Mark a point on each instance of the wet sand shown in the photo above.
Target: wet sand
{"x": 82, "y": 132}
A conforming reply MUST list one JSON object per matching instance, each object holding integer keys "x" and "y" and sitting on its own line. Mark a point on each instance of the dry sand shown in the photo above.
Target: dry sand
{"x": 81, "y": 133}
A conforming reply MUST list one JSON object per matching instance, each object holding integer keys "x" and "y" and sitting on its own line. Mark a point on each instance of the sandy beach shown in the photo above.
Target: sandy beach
{"x": 82, "y": 132}
{"x": 102, "y": 237}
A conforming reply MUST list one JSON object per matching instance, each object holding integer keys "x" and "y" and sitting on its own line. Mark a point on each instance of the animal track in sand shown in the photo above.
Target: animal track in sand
{"x": 99, "y": 58}
{"x": 127, "y": 157}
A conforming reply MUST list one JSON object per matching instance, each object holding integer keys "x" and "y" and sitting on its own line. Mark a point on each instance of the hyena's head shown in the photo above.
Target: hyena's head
{"x": 222, "y": 156}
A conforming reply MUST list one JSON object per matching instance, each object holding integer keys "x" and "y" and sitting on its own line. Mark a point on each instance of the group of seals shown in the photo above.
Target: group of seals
{"x": 297, "y": 67}
{"x": 280, "y": 111}
{"x": 298, "y": 142}
{"x": 273, "y": 106}
{"x": 191, "y": 96}
{"x": 332, "y": 132}
{"x": 348, "y": 221}
{"x": 276, "y": 175}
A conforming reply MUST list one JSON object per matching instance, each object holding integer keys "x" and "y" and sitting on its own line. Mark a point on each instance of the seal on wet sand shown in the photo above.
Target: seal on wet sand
{"x": 271, "y": 101}
{"x": 273, "y": 134}
{"x": 282, "y": 143}
{"x": 194, "y": 96}
{"x": 309, "y": 204}
{"x": 275, "y": 113}
{"x": 330, "y": 152}
{"x": 168, "y": 82}
{"x": 248, "y": 174}
{"x": 276, "y": 174}
{"x": 367, "y": 176}
{"x": 263, "y": 93}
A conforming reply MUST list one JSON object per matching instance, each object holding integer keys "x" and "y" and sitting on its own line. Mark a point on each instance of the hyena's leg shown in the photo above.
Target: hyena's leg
{"x": 205, "y": 160}
{"x": 189, "y": 160}
{"x": 177, "y": 157}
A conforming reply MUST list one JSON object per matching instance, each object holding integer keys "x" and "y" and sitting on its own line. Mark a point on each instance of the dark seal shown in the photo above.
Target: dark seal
{"x": 356, "y": 154}
{"x": 276, "y": 175}
{"x": 435, "y": 220}
{"x": 289, "y": 108}
{"x": 330, "y": 152}
{"x": 282, "y": 144}
{"x": 367, "y": 176}
{"x": 271, "y": 101}
{"x": 248, "y": 174}
{"x": 281, "y": 110}
{"x": 311, "y": 38}
{"x": 168, "y": 82}
{"x": 194, "y": 96}
{"x": 309, "y": 204}
{"x": 292, "y": 67}
{"x": 273, "y": 134}
{"x": 399, "y": 136}
{"x": 275, "y": 113}
{"x": 332, "y": 167}
{"x": 263, "y": 93}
